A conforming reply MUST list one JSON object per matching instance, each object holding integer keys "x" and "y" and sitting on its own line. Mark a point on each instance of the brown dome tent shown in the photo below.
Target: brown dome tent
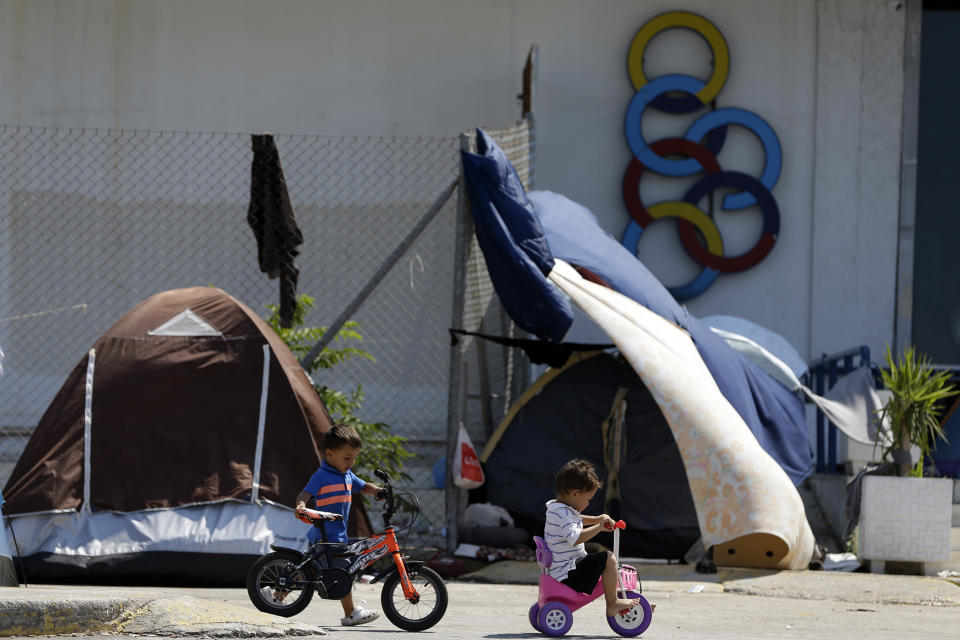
{"x": 171, "y": 451}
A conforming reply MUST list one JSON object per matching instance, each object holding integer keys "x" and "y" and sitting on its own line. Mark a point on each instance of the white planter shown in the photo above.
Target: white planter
{"x": 905, "y": 519}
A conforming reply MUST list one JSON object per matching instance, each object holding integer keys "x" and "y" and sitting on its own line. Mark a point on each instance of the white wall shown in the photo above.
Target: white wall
{"x": 826, "y": 74}
{"x": 857, "y": 175}
{"x": 373, "y": 67}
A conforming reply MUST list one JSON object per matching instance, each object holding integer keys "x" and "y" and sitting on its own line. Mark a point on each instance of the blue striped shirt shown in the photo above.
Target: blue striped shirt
{"x": 562, "y": 529}
{"x": 333, "y": 491}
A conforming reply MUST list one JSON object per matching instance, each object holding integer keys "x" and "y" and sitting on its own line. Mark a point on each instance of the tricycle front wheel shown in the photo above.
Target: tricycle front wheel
{"x": 429, "y": 607}
{"x": 636, "y": 619}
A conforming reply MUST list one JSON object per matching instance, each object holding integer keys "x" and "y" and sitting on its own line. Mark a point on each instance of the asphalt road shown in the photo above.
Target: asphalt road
{"x": 500, "y": 611}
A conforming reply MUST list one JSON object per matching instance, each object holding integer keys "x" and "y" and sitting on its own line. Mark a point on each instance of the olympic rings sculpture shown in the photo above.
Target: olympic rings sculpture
{"x": 695, "y": 153}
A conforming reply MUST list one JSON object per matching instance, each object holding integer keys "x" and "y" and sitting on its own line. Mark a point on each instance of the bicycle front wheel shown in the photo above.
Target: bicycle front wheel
{"x": 429, "y": 607}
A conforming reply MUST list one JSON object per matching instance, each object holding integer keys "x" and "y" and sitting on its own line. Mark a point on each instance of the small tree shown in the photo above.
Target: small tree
{"x": 914, "y": 408}
{"x": 381, "y": 448}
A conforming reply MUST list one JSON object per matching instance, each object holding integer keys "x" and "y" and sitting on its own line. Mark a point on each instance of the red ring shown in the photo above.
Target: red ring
{"x": 631, "y": 179}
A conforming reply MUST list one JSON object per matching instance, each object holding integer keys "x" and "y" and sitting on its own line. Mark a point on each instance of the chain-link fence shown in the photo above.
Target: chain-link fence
{"x": 92, "y": 222}
{"x": 484, "y": 378}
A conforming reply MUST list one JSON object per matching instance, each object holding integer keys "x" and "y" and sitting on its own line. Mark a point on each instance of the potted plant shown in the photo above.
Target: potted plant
{"x": 913, "y": 410}
{"x": 906, "y": 516}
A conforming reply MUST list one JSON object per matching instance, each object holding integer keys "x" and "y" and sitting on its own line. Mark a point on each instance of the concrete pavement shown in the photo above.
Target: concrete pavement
{"x": 494, "y": 600}
{"x": 806, "y": 585}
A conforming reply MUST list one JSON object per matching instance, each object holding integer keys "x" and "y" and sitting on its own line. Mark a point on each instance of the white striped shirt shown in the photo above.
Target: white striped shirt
{"x": 561, "y": 531}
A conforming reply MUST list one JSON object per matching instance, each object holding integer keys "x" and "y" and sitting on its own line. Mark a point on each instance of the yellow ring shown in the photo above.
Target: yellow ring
{"x": 700, "y": 25}
{"x": 690, "y": 213}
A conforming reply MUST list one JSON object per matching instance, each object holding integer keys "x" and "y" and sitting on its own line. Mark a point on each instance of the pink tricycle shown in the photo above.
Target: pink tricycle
{"x": 552, "y": 614}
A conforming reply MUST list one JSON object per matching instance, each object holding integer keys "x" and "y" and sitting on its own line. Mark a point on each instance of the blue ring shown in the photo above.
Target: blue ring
{"x": 700, "y": 129}
{"x": 640, "y": 101}
{"x": 703, "y": 281}
{"x": 768, "y": 138}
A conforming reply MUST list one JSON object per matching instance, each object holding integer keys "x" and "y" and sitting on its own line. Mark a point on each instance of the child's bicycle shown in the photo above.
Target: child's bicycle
{"x": 414, "y": 597}
{"x": 552, "y": 613}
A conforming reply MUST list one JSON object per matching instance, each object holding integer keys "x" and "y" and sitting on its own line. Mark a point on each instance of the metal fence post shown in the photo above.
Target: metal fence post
{"x": 464, "y": 229}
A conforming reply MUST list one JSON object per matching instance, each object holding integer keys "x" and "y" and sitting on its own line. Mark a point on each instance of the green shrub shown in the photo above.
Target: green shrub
{"x": 381, "y": 448}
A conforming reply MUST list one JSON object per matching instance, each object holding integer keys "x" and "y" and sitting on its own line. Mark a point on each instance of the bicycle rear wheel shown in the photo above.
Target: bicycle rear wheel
{"x": 269, "y": 584}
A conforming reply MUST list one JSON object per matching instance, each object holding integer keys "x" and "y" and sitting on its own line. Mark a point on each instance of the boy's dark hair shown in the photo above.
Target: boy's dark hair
{"x": 577, "y": 474}
{"x": 341, "y": 434}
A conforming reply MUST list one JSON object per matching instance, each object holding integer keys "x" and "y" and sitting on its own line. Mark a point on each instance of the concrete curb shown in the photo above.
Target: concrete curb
{"x": 57, "y": 614}
{"x": 32, "y": 612}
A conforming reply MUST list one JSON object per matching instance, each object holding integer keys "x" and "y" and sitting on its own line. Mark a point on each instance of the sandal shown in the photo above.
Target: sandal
{"x": 359, "y": 616}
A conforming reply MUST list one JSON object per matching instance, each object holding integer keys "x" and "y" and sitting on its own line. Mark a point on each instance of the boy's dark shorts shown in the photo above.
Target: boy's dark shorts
{"x": 587, "y": 572}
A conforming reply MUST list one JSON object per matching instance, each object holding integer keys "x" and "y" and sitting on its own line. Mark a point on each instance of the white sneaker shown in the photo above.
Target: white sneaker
{"x": 359, "y": 616}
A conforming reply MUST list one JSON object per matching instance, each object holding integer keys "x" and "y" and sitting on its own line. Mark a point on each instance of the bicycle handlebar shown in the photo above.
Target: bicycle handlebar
{"x": 387, "y": 496}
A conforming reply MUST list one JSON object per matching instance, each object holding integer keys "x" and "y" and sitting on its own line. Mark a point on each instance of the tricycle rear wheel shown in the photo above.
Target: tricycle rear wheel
{"x": 534, "y": 615}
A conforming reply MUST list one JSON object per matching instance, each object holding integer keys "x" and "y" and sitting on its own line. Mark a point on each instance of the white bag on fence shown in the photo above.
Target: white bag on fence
{"x": 467, "y": 473}
{"x": 484, "y": 514}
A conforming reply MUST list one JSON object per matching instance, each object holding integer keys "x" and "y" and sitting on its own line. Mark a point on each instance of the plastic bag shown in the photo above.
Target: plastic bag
{"x": 484, "y": 514}
{"x": 467, "y": 473}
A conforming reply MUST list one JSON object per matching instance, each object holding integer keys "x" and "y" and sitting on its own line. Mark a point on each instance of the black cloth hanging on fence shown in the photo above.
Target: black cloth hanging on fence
{"x": 539, "y": 351}
{"x": 270, "y": 215}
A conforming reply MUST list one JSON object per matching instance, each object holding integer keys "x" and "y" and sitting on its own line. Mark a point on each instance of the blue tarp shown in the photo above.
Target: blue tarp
{"x": 569, "y": 231}
{"x": 512, "y": 242}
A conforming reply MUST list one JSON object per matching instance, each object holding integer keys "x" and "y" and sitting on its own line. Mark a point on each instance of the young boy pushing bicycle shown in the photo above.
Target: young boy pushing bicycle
{"x": 332, "y": 486}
